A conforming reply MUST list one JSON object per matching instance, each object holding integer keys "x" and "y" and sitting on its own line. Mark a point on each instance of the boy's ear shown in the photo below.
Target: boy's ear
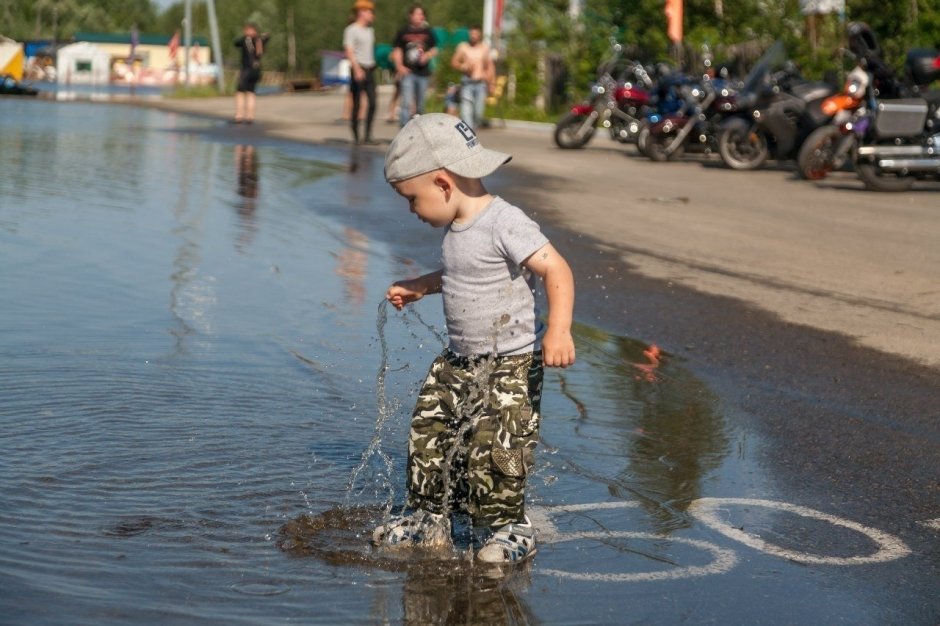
{"x": 443, "y": 181}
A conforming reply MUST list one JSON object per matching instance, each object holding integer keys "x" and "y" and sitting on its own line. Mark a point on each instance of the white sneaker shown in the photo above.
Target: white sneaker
{"x": 512, "y": 543}
{"x": 418, "y": 528}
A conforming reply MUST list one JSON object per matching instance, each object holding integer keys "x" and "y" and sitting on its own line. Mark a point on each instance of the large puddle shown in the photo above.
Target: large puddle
{"x": 189, "y": 353}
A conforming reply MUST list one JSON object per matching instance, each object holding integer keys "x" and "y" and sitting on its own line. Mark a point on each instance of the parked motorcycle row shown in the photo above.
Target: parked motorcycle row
{"x": 884, "y": 126}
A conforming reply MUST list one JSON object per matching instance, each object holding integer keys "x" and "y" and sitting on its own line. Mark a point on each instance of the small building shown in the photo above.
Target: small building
{"x": 152, "y": 52}
{"x": 11, "y": 58}
{"x": 83, "y": 63}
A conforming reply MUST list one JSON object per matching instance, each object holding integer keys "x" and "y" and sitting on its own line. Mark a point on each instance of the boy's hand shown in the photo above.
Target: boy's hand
{"x": 407, "y": 291}
{"x": 404, "y": 292}
{"x": 557, "y": 348}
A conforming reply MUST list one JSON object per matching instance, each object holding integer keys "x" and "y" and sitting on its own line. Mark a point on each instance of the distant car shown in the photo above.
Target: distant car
{"x": 9, "y": 86}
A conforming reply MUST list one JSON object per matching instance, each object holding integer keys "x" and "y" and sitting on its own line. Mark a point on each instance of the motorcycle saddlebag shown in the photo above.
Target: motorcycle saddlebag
{"x": 900, "y": 118}
{"x": 923, "y": 66}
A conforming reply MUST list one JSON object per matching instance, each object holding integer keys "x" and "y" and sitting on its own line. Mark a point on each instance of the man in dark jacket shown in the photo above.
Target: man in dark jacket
{"x": 415, "y": 46}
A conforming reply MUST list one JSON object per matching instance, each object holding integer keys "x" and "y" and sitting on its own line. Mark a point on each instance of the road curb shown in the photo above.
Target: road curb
{"x": 534, "y": 127}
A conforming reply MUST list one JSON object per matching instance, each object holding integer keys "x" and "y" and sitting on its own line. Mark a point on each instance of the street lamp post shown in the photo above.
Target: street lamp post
{"x": 188, "y": 34}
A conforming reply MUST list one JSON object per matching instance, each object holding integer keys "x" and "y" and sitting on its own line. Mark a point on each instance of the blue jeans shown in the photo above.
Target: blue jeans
{"x": 413, "y": 90}
{"x": 472, "y": 101}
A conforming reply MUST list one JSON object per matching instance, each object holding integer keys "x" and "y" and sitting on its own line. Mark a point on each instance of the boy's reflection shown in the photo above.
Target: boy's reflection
{"x": 352, "y": 265}
{"x": 246, "y": 164}
{"x": 467, "y": 597}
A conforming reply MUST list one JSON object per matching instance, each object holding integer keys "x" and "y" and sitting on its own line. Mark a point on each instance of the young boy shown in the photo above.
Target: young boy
{"x": 475, "y": 426}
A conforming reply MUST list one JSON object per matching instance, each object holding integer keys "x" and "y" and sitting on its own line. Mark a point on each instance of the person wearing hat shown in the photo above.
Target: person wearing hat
{"x": 475, "y": 425}
{"x": 359, "y": 44}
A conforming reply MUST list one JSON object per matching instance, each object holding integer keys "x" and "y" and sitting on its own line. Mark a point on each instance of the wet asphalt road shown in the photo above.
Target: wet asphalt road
{"x": 848, "y": 430}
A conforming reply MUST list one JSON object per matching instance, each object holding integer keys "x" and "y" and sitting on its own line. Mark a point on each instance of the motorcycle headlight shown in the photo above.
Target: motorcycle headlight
{"x": 598, "y": 90}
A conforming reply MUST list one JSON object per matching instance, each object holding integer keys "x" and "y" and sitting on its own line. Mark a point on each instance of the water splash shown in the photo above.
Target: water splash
{"x": 471, "y": 410}
{"x": 374, "y": 449}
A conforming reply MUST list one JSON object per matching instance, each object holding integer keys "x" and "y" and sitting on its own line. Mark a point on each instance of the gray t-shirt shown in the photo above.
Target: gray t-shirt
{"x": 489, "y": 298}
{"x": 362, "y": 40}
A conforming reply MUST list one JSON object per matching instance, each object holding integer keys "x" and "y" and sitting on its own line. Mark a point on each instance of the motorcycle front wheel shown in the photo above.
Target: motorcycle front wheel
{"x": 742, "y": 148}
{"x": 574, "y": 131}
{"x": 642, "y": 138}
{"x": 656, "y": 147}
{"x": 817, "y": 154}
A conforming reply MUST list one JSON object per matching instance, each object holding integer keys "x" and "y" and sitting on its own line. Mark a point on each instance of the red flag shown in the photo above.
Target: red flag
{"x": 674, "y": 20}
{"x": 174, "y": 45}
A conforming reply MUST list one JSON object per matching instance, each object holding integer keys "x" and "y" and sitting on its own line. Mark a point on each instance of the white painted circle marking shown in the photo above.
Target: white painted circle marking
{"x": 541, "y": 516}
{"x": 723, "y": 561}
{"x": 890, "y": 547}
{"x": 591, "y": 506}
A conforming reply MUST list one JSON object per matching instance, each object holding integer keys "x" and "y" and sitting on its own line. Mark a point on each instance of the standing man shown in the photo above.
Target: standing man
{"x": 474, "y": 60}
{"x": 415, "y": 46}
{"x": 359, "y": 43}
{"x": 252, "y": 47}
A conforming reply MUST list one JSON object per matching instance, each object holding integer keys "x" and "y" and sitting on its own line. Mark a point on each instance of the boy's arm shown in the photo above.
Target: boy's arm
{"x": 557, "y": 344}
{"x": 406, "y": 291}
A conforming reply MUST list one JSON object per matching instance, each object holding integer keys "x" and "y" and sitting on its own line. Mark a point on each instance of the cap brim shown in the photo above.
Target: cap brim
{"x": 479, "y": 164}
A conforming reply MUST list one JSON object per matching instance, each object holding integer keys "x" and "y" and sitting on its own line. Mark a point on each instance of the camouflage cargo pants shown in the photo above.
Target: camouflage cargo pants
{"x": 473, "y": 436}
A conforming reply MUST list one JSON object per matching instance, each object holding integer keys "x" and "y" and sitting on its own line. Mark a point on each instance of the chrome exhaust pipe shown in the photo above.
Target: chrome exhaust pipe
{"x": 879, "y": 152}
{"x": 909, "y": 165}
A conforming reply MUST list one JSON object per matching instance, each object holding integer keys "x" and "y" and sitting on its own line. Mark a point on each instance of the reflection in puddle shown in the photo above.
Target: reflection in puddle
{"x": 246, "y": 163}
{"x": 352, "y": 266}
{"x": 192, "y": 295}
{"x": 643, "y": 413}
{"x": 441, "y": 586}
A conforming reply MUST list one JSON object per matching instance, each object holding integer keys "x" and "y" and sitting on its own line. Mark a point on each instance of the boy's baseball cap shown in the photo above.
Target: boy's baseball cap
{"x": 439, "y": 141}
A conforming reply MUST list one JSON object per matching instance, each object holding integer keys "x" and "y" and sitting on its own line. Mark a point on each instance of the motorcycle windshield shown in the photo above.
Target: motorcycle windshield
{"x": 774, "y": 59}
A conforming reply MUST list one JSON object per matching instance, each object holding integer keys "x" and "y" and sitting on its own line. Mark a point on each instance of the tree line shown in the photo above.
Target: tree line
{"x": 540, "y": 29}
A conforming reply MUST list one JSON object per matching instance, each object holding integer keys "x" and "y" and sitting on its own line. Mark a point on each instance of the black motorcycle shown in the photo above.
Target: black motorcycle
{"x": 777, "y": 111}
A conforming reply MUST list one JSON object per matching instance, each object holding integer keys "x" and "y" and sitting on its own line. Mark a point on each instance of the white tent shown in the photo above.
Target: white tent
{"x": 83, "y": 63}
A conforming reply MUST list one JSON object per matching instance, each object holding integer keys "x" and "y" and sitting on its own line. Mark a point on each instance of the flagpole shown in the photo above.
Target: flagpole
{"x": 188, "y": 34}
{"x": 216, "y": 47}
{"x": 488, "y": 21}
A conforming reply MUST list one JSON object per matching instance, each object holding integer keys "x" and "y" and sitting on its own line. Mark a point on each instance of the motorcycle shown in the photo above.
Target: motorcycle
{"x": 664, "y": 137}
{"x": 615, "y": 104}
{"x": 777, "y": 110}
{"x": 830, "y": 147}
{"x": 902, "y": 141}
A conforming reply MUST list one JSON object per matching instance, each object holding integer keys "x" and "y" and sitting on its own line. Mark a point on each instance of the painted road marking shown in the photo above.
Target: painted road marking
{"x": 541, "y": 516}
{"x": 931, "y": 523}
{"x": 706, "y": 511}
{"x": 723, "y": 559}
